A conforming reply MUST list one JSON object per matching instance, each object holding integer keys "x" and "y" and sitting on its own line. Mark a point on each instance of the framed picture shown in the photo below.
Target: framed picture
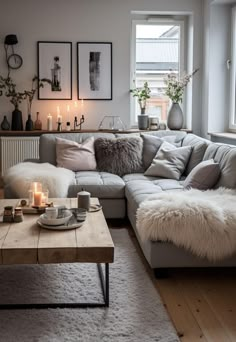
{"x": 94, "y": 63}
{"x": 55, "y": 63}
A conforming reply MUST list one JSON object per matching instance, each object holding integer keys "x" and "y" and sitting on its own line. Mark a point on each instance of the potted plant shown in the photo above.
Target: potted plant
{"x": 142, "y": 95}
{"x": 175, "y": 91}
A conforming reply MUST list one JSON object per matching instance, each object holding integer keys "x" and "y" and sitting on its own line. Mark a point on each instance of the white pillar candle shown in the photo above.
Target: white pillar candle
{"x": 49, "y": 122}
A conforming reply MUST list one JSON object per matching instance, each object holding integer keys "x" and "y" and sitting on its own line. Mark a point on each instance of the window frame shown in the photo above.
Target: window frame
{"x": 182, "y": 62}
{"x": 232, "y": 105}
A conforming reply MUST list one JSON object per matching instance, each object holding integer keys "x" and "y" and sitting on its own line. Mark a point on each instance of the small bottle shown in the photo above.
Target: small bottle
{"x": 68, "y": 126}
{"x": 29, "y": 125}
{"x": 18, "y": 215}
{"x": 5, "y": 125}
{"x": 8, "y": 214}
{"x": 38, "y": 122}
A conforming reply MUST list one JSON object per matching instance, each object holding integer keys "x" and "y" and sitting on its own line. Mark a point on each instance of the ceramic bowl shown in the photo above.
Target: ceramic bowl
{"x": 58, "y": 221}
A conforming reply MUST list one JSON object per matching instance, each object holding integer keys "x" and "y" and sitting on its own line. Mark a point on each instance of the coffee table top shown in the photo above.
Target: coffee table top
{"x": 27, "y": 243}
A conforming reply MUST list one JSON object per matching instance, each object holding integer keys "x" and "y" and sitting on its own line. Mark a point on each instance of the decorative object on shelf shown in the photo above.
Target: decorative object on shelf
{"x": 55, "y": 59}
{"x": 76, "y": 124}
{"x": 16, "y": 122}
{"x": 49, "y": 122}
{"x": 94, "y": 61}
{"x": 59, "y": 126}
{"x": 29, "y": 125}
{"x": 142, "y": 95}
{"x": 153, "y": 123}
{"x": 14, "y": 61}
{"x": 111, "y": 123}
{"x": 5, "y": 125}
{"x": 143, "y": 121}
{"x": 68, "y": 126}
{"x": 175, "y": 91}
{"x": 162, "y": 126}
{"x": 38, "y": 122}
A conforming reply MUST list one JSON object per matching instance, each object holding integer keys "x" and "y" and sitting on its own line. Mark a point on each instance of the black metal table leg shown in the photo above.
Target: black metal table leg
{"x": 105, "y": 290}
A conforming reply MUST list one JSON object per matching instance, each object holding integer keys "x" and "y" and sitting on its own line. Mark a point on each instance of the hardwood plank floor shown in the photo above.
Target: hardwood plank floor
{"x": 201, "y": 302}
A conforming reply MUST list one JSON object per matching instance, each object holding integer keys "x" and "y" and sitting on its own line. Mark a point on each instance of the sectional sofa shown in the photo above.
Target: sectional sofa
{"x": 121, "y": 195}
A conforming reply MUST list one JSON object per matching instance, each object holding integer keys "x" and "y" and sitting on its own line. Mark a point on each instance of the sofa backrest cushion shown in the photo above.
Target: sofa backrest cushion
{"x": 199, "y": 146}
{"x": 204, "y": 176}
{"x": 225, "y": 155}
{"x": 74, "y": 156}
{"x": 119, "y": 156}
{"x": 169, "y": 161}
{"x": 47, "y": 143}
{"x": 151, "y": 145}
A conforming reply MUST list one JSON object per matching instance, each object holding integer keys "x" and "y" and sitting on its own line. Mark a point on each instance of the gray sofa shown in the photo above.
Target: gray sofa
{"x": 121, "y": 196}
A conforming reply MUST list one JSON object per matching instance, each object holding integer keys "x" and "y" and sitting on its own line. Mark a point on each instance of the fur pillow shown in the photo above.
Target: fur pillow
{"x": 119, "y": 156}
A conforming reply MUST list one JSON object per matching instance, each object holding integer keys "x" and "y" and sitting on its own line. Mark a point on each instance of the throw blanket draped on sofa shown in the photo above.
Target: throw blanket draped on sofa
{"x": 55, "y": 179}
{"x": 202, "y": 222}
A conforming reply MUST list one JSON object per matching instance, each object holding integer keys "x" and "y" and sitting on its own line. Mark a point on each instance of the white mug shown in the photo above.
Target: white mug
{"x": 51, "y": 213}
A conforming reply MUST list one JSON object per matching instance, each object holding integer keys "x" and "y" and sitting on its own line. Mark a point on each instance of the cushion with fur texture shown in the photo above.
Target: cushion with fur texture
{"x": 203, "y": 176}
{"x": 75, "y": 156}
{"x": 119, "y": 156}
{"x": 55, "y": 179}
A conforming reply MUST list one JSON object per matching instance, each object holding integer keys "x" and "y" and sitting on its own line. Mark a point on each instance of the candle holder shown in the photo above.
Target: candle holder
{"x": 35, "y": 194}
{"x": 76, "y": 124}
{"x": 59, "y": 126}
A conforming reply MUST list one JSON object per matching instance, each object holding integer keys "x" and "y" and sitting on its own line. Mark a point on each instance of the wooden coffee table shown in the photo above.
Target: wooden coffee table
{"x": 27, "y": 243}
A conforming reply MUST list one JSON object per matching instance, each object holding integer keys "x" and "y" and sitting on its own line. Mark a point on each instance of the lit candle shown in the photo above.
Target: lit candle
{"x": 82, "y": 106}
{"x": 37, "y": 198}
{"x": 68, "y": 113}
{"x": 58, "y": 110}
{"x": 49, "y": 122}
{"x": 59, "y": 118}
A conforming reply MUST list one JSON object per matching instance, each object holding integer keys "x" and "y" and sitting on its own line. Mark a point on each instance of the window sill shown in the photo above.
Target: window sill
{"x": 224, "y": 135}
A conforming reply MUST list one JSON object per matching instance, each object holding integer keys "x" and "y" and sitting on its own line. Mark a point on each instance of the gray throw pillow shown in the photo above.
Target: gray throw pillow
{"x": 204, "y": 176}
{"x": 169, "y": 162}
{"x": 119, "y": 156}
{"x": 151, "y": 145}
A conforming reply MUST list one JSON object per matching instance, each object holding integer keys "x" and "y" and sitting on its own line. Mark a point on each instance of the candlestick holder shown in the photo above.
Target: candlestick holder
{"x": 76, "y": 124}
{"x": 59, "y": 126}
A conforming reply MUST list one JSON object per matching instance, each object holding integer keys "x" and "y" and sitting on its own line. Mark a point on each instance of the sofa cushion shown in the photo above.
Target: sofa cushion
{"x": 99, "y": 184}
{"x": 74, "y": 156}
{"x": 199, "y": 146}
{"x": 204, "y": 176}
{"x": 119, "y": 156}
{"x": 169, "y": 161}
{"x": 151, "y": 145}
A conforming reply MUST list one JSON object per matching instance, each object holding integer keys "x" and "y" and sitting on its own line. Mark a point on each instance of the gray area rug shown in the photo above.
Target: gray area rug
{"x": 135, "y": 313}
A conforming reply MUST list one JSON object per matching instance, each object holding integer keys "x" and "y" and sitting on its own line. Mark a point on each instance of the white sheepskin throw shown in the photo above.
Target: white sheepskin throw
{"x": 201, "y": 222}
{"x": 55, "y": 179}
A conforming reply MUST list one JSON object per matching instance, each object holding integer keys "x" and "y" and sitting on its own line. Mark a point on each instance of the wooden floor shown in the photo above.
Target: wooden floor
{"x": 200, "y": 302}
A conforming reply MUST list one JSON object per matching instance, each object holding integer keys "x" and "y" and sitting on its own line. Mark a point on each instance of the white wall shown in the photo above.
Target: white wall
{"x": 91, "y": 21}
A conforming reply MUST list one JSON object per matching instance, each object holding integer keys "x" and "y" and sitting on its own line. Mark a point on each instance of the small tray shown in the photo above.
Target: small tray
{"x": 95, "y": 207}
{"x": 31, "y": 210}
{"x": 62, "y": 227}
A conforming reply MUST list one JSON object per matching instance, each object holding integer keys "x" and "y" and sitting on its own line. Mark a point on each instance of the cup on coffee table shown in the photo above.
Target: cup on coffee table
{"x": 51, "y": 213}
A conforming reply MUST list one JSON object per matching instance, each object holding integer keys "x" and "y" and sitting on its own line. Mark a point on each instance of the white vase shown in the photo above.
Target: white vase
{"x": 175, "y": 117}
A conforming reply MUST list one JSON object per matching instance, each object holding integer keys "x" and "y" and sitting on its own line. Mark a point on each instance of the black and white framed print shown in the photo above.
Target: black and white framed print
{"x": 55, "y": 64}
{"x": 94, "y": 63}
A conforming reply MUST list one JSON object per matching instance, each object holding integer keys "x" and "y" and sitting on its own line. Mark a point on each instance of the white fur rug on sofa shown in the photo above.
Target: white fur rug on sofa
{"x": 55, "y": 179}
{"x": 201, "y": 222}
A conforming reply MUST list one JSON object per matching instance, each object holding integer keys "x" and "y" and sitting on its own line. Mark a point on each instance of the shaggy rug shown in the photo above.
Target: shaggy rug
{"x": 202, "y": 222}
{"x": 55, "y": 179}
{"x": 135, "y": 313}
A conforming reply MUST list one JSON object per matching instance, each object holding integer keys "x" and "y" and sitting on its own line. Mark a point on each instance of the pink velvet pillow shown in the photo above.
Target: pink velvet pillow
{"x": 74, "y": 156}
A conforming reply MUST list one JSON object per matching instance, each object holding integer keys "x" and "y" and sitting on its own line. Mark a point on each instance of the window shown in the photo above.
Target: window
{"x": 232, "y": 65}
{"x": 157, "y": 48}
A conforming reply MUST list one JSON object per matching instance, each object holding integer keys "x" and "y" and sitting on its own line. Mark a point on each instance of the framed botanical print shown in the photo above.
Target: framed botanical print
{"x": 55, "y": 64}
{"x": 94, "y": 67}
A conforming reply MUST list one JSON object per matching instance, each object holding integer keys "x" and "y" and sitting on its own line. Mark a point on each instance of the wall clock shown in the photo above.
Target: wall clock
{"x": 14, "y": 61}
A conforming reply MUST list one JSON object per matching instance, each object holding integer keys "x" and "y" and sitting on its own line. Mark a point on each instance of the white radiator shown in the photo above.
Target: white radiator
{"x": 16, "y": 149}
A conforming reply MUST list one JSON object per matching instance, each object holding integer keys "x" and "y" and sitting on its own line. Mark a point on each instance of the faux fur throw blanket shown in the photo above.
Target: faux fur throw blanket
{"x": 55, "y": 179}
{"x": 201, "y": 222}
